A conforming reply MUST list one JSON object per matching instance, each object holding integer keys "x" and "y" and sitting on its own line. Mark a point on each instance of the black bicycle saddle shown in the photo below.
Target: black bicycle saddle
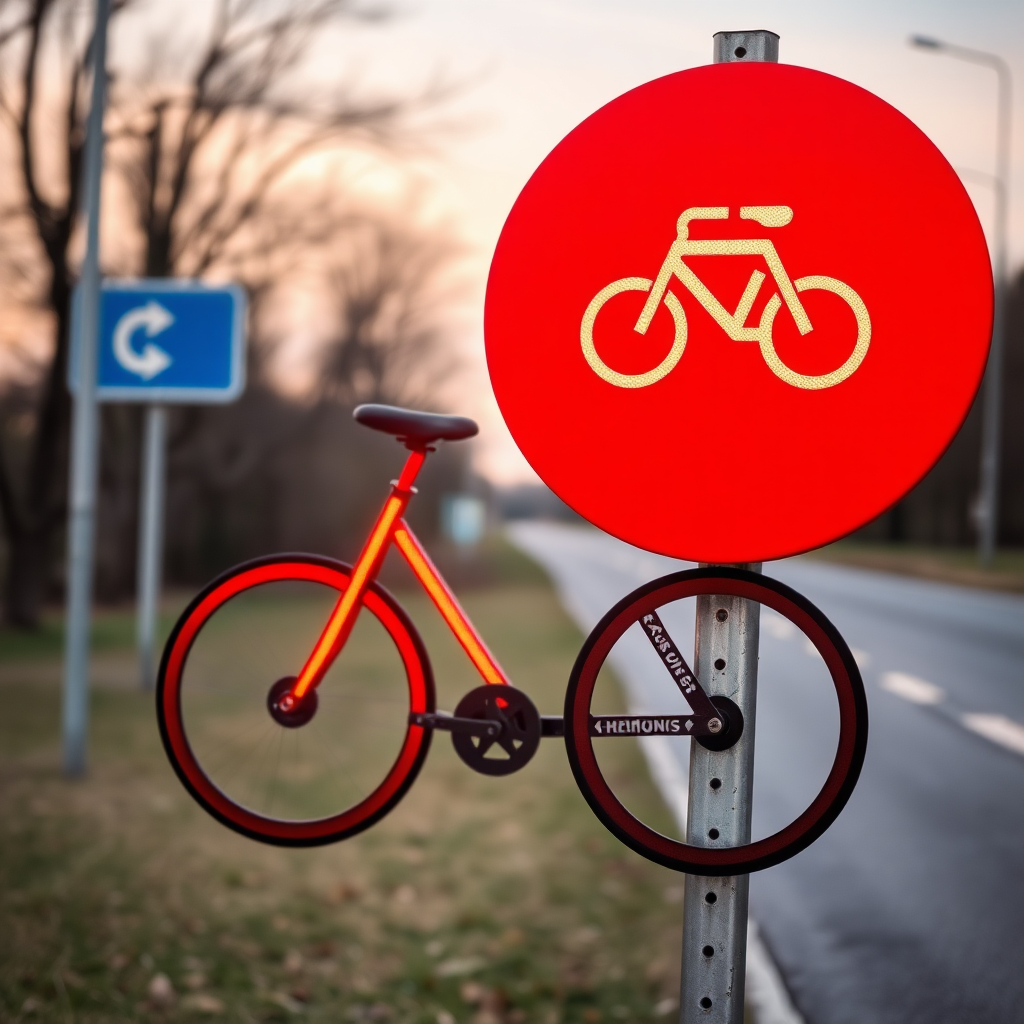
{"x": 416, "y": 429}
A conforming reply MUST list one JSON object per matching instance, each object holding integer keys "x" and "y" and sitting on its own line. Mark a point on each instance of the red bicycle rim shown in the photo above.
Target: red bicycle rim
{"x": 414, "y": 748}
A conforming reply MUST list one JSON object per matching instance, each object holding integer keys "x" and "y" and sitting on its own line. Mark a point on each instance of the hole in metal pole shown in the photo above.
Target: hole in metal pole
{"x": 721, "y": 615}
{"x": 740, "y": 51}
{"x": 713, "y": 833}
{"x": 705, "y": 1003}
{"x": 711, "y": 898}
{"x": 719, "y": 663}
{"x": 708, "y": 950}
{"x": 715, "y": 783}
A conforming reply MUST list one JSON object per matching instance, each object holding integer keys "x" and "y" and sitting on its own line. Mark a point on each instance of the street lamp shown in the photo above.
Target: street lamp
{"x": 988, "y": 498}
{"x": 988, "y": 503}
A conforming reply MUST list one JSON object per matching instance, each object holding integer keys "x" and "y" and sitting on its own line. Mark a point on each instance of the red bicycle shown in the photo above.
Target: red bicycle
{"x": 281, "y": 719}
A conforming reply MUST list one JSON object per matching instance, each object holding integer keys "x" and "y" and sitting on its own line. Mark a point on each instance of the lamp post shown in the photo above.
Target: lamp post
{"x": 988, "y": 503}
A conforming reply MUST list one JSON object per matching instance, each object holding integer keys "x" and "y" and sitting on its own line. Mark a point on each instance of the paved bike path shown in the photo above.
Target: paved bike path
{"x": 911, "y": 908}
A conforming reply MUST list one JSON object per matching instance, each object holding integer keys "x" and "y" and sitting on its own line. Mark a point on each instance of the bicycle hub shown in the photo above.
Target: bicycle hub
{"x": 730, "y": 726}
{"x": 297, "y": 713}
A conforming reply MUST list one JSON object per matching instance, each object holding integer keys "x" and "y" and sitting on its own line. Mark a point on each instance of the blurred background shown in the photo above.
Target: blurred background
{"x": 351, "y": 164}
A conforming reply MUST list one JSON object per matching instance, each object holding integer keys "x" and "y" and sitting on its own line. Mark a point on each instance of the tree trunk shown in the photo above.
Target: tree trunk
{"x": 27, "y": 578}
{"x": 31, "y": 546}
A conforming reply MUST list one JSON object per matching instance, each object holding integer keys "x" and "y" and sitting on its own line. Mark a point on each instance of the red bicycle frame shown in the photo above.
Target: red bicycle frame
{"x": 391, "y": 528}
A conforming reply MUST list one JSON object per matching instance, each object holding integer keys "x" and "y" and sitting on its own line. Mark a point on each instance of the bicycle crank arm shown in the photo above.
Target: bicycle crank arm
{"x": 653, "y": 725}
{"x": 450, "y": 723}
{"x": 552, "y": 725}
{"x": 683, "y": 676}
{"x": 716, "y": 732}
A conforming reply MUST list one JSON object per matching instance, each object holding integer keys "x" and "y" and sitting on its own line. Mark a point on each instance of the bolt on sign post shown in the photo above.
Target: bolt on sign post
{"x": 734, "y": 315}
{"x": 161, "y": 342}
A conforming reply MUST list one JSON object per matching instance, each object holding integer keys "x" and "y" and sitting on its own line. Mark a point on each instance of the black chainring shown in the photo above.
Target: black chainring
{"x": 520, "y": 732}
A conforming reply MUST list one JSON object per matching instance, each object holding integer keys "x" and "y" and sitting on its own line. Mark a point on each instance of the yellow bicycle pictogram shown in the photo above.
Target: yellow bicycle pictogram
{"x": 731, "y": 323}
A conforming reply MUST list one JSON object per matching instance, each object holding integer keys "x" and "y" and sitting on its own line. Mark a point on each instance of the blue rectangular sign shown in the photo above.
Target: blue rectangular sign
{"x": 168, "y": 340}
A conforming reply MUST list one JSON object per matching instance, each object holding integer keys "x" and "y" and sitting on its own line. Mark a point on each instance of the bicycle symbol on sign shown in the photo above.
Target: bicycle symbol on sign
{"x": 731, "y": 323}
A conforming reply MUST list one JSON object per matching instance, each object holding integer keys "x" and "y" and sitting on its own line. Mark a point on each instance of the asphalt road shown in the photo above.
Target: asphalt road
{"x": 911, "y": 907}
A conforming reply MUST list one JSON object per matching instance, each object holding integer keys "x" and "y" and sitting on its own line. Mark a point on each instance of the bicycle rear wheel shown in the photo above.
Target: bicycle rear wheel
{"x": 316, "y": 778}
{"x": 853, "y": 722}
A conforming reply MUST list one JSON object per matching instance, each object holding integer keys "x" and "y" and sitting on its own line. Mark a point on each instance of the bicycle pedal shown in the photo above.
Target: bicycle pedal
{"x": 451, "y": 723}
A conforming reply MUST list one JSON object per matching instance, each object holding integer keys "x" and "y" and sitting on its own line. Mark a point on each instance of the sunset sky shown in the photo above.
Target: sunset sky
{"x": 536, "y": 68}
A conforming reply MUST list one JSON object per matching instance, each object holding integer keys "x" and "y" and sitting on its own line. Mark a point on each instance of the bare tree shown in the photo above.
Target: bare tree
{"x": 203, "y": 153}
{"x": 388, "y": 342}
{"x": 203, "y": 158}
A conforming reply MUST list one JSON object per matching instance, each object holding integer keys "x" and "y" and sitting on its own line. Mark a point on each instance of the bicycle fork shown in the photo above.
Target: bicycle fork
{"x": 392, "y": 528}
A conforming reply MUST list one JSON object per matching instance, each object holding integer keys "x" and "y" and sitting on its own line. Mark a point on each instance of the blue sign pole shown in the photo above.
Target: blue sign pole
{"x": 151, "y": 541}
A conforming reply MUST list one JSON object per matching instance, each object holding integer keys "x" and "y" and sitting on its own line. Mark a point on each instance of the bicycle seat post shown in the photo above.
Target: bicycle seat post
{"x": 721, "y": 782}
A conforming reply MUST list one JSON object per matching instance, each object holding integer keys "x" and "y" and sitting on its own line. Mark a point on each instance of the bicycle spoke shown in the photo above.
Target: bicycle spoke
{"x": 272, "y": 776}
{"x": 231, "y": 744}
{"x": 338, "y": 769}
{"x": 671, "y": 657}
{"x": 236, "y": 761}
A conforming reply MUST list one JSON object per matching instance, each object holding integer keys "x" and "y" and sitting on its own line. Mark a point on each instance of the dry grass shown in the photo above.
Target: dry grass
{"x": 484, "y": 900}
{"x": 947, "y": 565}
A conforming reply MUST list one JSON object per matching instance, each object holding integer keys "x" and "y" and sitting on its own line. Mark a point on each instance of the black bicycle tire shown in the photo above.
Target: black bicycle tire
{"x": 842, "y": 778}
{"x": 173, "y": 731}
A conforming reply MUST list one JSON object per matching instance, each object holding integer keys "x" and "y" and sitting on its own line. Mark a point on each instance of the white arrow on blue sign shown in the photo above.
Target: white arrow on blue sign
{"x": 168, "y": 340}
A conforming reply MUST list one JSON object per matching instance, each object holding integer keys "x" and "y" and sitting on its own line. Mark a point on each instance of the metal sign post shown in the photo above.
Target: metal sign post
{"x": 639, "y": 388}
{"x": 722, "y": 782}
{"x": 151, "y": 536}
{"x": 85, "y": 432}
{"x": 718, "y": 814}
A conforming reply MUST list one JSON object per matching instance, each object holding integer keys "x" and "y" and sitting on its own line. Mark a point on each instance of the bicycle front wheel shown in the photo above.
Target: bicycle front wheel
{"x": 316, "y": 778}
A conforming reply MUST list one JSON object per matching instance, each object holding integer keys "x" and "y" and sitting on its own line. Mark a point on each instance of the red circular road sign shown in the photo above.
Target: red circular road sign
{"x": 738, "y": 312}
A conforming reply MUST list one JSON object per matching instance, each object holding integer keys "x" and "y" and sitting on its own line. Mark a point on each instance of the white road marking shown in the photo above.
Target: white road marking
{"x": 917, "y": 691}
{"x": 862, "y": 658}
{"x": 997, "y": 728}
{"x": 777, "y": 626}
{"x": 766, "y": 991}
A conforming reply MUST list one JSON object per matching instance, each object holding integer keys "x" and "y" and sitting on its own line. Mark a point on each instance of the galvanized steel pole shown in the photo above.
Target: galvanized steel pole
{"x": 151, "y": 536}
{"x": 721, "y": 785}
{"x": 85, "y": 429}
{"x": 721, "y": 782}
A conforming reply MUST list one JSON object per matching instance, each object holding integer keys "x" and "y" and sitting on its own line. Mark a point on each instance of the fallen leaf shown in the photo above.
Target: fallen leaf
{"x": 459, "y": 965}
{"x": 202, "y": 1002}
{"x": 161, "y": 991}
